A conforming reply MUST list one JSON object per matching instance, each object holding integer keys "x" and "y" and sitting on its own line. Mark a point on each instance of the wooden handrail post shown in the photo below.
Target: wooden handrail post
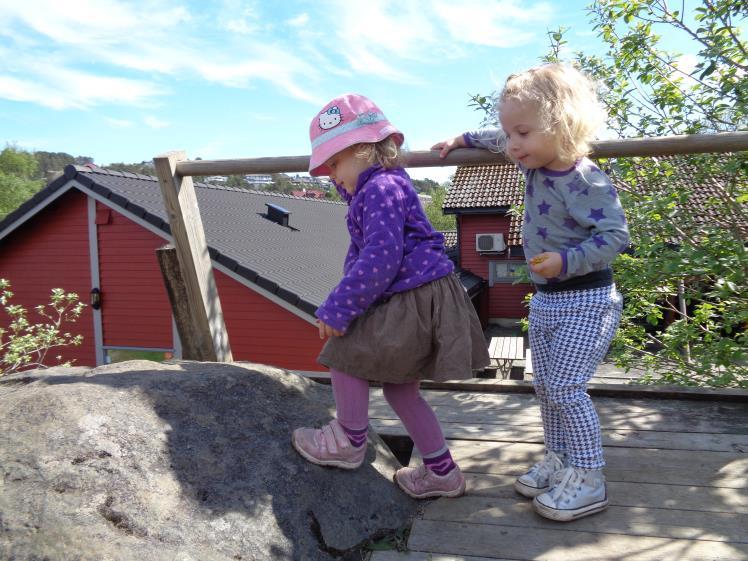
{"x": 194, "y": 261}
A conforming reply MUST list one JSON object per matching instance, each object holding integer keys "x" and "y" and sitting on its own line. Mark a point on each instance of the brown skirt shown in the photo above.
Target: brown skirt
{"x": 431, "y": 332}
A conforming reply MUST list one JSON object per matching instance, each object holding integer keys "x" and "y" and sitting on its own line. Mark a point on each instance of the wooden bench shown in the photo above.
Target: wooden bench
{"x": 504, "y": 351}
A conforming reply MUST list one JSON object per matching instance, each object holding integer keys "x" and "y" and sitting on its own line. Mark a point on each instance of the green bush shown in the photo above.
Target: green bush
{"x": 25, "y": 345}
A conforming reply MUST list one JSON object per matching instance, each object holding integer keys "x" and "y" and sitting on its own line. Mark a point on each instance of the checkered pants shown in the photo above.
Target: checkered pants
{"x": 570, "y": 332}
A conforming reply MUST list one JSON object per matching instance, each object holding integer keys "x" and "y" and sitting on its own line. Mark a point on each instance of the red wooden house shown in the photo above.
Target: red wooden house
{"x": 98, "y": 229}
{"x": 489, "y": 242}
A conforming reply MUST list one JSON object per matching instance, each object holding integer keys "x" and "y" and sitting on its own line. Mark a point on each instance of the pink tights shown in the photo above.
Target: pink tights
{"x": 352, "y": 402}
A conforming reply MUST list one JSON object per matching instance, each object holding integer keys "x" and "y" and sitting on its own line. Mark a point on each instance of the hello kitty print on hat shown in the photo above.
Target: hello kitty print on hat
{"x": 328, "y": 119}
{"x": 346, "y": 120}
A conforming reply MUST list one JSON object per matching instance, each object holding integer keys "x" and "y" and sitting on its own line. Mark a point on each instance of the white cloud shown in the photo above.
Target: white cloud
{"x": 155, "y": 123}
{"x": 687, "y": 63}
{"x": 299, "y": 21}
{"x": 118, "y": 123}
{"x": 121, "y": 52}
{"x": 59, "y": 88}
{"x": 506, "y": 23}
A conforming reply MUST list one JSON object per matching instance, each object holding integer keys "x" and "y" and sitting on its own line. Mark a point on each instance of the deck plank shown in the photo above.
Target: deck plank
{"x": 459, "y": 538}
{"x": 673, "y": 467}
{"x": 632, "y": 521}
{"x": 622, "y": 493}
{"x": 611, "y": 437}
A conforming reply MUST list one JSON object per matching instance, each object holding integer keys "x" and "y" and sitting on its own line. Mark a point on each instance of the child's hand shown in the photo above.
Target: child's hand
{"x": 326, "y": 330}
{"x": 446, "y": 146}
{"x": 547, "y": 265}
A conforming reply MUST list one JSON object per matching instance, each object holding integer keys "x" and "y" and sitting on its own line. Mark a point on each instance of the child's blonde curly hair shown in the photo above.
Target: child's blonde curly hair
{"x": 386, "y": 153}
{"x": 566, "y": 101}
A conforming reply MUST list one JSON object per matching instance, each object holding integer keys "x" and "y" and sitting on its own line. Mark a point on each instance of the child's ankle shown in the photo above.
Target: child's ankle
{"x": 357, "y": 437}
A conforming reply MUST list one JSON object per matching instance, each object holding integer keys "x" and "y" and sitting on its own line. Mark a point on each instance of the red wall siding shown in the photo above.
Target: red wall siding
{"x": 262, "y": 331}
{"x": 51, "y": 251}
{"x": 135, "y": 307}
{"x": 504, "y": 299}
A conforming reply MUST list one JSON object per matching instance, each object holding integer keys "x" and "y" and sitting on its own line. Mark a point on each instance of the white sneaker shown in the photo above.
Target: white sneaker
{"x": 537, "y": 480}
{"x": 574, "y": 493}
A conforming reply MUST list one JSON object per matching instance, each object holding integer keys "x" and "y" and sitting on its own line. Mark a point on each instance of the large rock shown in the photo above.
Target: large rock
{"x": 188, "y": 461}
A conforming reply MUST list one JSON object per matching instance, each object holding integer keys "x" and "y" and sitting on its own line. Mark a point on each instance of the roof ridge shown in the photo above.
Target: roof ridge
{"x": 266, "y": 193}
{"x": 71, "y": 170}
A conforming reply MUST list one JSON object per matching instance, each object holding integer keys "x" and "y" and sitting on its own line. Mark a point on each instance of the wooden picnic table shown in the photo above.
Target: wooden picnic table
{"x": 504, "y": 351}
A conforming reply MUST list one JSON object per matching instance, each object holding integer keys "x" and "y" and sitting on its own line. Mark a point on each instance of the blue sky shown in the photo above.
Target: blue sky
{"x": 123, "y": 81}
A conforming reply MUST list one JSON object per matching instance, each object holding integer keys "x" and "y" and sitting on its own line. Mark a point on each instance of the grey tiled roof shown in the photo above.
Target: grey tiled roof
{"x": 494, "y": 187}
{"x": 450, "y": 239}
{"x": 485, "y": 186}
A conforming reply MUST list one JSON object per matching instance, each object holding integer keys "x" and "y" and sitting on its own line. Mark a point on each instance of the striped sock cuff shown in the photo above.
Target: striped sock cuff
{"x": 356, "y": 436}
{"x": 441, "y": 464}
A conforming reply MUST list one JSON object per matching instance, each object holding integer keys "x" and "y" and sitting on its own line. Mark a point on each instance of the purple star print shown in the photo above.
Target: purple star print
{"x": 570, "y": 223}
{"x": 544, "y": 207}
{"x": 596, "y": 214}
{"x": 575, "y": 186}
{"x": 543, "y": 232}
{"x": 599, "y": 241}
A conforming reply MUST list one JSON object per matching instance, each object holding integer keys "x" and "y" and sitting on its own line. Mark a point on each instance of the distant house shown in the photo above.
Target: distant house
{"x": 489, "y": 242}
{"x": 259, "y": 180}
{"x": 309, "y": 193}
{"x": 93, "y": 228}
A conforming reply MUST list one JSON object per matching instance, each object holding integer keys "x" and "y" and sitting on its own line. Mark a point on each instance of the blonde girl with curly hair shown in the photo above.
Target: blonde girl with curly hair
{"x": 573, "y": 229}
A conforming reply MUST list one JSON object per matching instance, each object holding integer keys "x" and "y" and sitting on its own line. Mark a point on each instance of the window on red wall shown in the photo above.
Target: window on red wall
{"x": 506, "y": 272}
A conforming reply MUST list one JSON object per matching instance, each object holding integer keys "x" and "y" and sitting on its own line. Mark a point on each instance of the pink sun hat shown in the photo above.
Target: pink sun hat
{"x": 343, "y": 122}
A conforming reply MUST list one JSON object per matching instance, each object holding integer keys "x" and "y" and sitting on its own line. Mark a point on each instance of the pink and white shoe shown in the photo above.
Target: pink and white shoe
{"x": 422, "y": 483}
{"x": 328, "y": 446}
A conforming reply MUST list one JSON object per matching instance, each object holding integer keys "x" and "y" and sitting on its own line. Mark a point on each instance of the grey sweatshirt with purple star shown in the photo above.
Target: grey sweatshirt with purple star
{"x": 575, "y": 212}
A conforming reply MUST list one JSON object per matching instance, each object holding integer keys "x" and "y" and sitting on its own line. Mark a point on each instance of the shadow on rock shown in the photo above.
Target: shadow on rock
{"x": 181, "y": 461}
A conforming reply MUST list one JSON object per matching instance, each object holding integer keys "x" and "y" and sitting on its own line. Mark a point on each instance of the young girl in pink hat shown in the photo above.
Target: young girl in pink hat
{"x": 399, "y": 314}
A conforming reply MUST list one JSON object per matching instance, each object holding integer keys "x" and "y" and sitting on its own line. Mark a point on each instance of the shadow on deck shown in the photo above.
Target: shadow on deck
{"x": 677, "y": 479}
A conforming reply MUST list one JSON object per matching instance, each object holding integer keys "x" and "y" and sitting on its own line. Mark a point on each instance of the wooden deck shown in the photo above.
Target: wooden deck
{"x": 677, "y": 479}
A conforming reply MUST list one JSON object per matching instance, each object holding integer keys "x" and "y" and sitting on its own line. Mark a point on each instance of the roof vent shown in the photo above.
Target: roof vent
{"x": 277, "y": 214}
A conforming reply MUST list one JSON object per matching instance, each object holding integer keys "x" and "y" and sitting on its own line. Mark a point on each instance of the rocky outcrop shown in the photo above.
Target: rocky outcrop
{"x": 186, "y": 461}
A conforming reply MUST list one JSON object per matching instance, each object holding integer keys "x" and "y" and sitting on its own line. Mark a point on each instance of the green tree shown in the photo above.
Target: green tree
{"x": 18, "y": 171}
{"x": 683, "y": 266}
{"x": 143, "y": 168}
{"x": 689, "y": 265}
{"x": 55, "y": 162}
{"x": 25, "y": 345}
{"x": 436, "y": 216}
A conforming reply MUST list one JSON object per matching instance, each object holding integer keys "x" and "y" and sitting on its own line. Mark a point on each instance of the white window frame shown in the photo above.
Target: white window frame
{"x": 512, "y": 269}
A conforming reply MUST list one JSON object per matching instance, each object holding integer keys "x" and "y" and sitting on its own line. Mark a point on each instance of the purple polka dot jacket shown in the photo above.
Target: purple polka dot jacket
{"x": 393, "y": 246}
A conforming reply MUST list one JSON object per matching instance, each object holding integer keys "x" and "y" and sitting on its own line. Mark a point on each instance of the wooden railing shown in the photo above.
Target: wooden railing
{"x": 204, "y": 336}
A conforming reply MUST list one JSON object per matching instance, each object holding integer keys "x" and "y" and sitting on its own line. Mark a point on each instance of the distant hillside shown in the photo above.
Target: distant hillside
{"x": 50, "y": 162}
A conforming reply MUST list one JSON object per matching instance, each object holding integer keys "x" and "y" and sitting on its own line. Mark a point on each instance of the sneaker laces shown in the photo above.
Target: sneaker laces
{"x": 550, "y": 464}
{"x": 420, "y": 473}
{"x": 565, "y": 484}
